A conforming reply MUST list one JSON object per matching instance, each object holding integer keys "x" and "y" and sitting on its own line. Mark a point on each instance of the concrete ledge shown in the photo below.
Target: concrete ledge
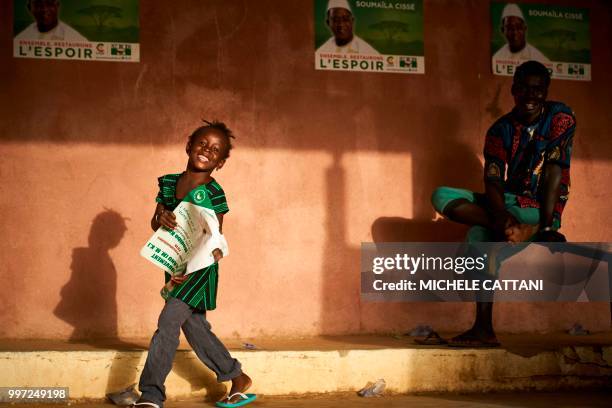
{"x": 91, "y": 373}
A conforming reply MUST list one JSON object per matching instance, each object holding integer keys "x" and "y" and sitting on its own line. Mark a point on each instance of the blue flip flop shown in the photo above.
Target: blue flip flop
{"x": 245, "y": 399}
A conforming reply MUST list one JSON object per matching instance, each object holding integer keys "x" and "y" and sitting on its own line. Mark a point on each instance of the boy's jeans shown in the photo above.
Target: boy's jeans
{"x": 174, "y": 316}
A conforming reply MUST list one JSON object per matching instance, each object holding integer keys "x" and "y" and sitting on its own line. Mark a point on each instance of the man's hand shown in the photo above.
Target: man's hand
{"x": 502, "y": 222}
{"x": 520, "y": 232}
{"x": 217, "y": 254}
{"x": 500, "y": 218}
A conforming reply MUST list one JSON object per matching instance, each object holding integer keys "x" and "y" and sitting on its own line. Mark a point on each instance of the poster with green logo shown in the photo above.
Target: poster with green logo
{"x": 89, "y": 30}
{"x": 369, "y": 36}
{"x": 558, "y": 37}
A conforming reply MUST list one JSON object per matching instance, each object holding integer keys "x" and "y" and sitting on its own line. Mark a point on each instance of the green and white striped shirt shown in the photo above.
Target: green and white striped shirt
{"x": 200, "y": 289}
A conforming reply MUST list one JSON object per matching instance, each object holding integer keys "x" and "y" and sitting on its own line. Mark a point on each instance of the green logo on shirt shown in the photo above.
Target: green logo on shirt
{"x": 199, "y": 196}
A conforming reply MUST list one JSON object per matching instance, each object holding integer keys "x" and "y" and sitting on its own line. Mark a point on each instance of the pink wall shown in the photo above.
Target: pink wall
{"x": 323, "y": 161}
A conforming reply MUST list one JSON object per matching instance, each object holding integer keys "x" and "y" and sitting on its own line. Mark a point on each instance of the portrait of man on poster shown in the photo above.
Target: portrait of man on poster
{"x": 514, "y": 29}
{"x": 47, "y": 25}
{"x": 341, "y": 21}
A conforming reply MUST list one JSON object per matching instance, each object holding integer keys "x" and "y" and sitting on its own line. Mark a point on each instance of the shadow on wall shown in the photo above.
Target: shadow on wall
{"x": 89, "y": 304}
{"x": 341, "y": 285}
{"x": 88, "y": 301}
{"x": 397, "y": 229}
{"x": 453, "y": 163}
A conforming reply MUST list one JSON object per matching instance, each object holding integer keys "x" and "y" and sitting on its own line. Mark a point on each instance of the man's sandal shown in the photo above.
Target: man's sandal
{"x": 432, "y": 339}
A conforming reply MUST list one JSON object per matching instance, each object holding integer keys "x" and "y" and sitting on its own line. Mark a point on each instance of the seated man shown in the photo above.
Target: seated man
{"x": 526, "y": 176}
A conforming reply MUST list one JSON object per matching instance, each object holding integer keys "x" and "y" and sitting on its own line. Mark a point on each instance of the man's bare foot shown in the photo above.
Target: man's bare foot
{"x": 474, "y": 338}
{"x": 239, "y": 384}
{"x": 520, "y": 232}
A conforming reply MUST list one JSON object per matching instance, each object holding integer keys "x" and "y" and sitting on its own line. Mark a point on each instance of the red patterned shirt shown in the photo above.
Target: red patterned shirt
{"x": 516, "y": 154}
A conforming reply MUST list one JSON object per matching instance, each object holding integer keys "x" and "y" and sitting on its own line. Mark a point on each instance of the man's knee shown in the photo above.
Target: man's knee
{"x": 439, "y": 198}
{"x": 445, "y": 198}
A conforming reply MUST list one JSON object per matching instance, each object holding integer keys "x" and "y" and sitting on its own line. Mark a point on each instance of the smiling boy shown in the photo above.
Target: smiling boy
{"x": 192, "y": 295}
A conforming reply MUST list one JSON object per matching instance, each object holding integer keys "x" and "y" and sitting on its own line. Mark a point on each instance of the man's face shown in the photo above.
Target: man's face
{"x": 514, "y": 28}
{"x": 340, "y": 22}
{"x": 45, "y": 13}
{"x": 529, "y": 96}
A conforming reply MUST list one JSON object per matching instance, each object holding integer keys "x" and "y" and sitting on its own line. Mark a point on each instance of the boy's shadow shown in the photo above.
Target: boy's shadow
{"x": 89, "y": 304}
{"x": 88, "y": 301}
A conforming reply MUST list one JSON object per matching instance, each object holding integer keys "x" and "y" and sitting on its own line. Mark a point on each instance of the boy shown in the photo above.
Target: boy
{"x": 207, "y": 149}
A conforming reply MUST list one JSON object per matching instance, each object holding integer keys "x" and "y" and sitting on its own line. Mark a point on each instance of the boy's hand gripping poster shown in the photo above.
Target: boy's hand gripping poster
{"x": 189, "y": 246}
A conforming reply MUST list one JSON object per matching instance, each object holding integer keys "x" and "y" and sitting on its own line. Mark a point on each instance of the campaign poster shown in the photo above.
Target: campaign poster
{"x": 86, "y": 30}
{"x": 558, "y": 37}
{"x": 369, "y": 36}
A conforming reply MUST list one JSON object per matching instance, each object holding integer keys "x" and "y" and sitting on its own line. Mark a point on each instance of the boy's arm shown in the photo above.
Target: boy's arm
{"x": 217, "y": 253}
{"x": 162, "y": 217}
{"x": 220, "y": 218}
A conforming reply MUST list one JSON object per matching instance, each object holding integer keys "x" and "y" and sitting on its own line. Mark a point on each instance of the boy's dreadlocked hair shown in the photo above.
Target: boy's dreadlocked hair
{"x": 219, "y": 126}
